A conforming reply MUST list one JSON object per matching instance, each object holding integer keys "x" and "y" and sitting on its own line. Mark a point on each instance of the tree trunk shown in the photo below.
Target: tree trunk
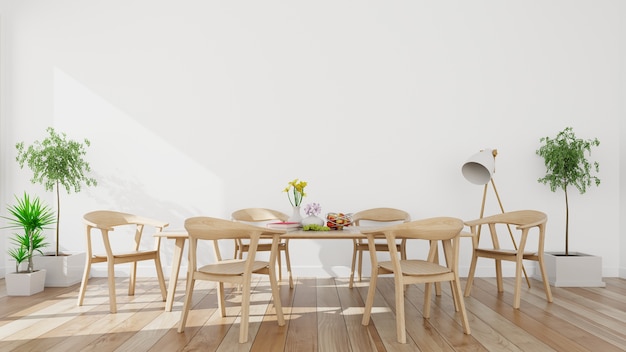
{"x": 566, "y": 223}
{"x": 58, "y": 217}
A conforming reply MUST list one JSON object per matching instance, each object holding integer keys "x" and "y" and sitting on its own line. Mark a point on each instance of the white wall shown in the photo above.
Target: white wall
{"x": 622, "y": 163}
{"x": 201, "y": 108}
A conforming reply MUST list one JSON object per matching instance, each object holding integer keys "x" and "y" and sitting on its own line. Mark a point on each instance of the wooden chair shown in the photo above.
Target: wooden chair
{"x": 375, "y": 215}
{"x": 107, "y": 221}
{"x": 261, "y": 216}
{"x": 236, "y": 271}
{"x": 444, "y": 230}
{"x": 524, "y": 220}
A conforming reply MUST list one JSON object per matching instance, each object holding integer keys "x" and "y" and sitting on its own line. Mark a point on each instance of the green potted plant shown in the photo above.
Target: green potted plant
{"x": 567, "y": 165}
{"x": 31, "y": 217}
{"x": 58, "y": 162}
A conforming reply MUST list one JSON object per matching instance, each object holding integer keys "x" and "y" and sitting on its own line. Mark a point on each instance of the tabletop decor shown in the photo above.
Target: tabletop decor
{"x": 295, "y": 193}
{"x": 312, "y": 210}
{"x": 337, "y": 221}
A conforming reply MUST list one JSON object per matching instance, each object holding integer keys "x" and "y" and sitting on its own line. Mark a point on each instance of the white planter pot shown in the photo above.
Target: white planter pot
{"x": 63, "y": 270}
{"x": 574, "y": 270}
{"x": 25, "y": 284}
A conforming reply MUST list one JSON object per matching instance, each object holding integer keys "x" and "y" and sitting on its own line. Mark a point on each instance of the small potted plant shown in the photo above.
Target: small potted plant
{"x": 58, "y": 162}
{"x": 567, "y": 165}
{"x": 312, "y": 210}
{"x": 31, "y": 217}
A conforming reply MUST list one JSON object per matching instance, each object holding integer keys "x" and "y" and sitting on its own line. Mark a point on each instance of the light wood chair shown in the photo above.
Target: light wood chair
{"x": 236, "y": 271}
{"x": 375, "y": 215}
{"x": 107, "y": 221}
{"x": 262, "y": 216}
{"x": 444, "y": 230}
{"x": 524, "y": 220}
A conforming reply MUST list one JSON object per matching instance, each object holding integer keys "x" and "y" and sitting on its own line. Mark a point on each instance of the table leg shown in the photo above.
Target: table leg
{"x": 171, "y": 290}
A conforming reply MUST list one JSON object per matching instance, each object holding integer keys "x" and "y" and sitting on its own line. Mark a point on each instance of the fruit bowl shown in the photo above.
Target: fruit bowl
{"x": 337, "y": 221}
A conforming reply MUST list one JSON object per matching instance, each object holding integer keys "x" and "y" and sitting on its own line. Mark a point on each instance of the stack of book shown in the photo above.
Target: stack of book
{"x": 285, "y": 225}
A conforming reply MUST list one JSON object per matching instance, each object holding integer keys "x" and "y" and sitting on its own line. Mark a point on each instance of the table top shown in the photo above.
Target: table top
{"x": 349, "y": 232}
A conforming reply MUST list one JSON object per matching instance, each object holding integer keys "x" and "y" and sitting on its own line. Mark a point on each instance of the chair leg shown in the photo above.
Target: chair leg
{"x": 461, "y": 305}
{"x": 499, "y": 275}
{"x": 280, "y": 267}
{"x": 544, "y": 276}
{"x": 437, "y": 284}
{"x": 187, "y": 303}
{"x": 111, "y": 280}
{"x": 83, "y": 284}
{"x": 518, "y": 284}
{"x": 133, "y": 279}
{"x": 369, "y": 302}
{"x": 427, "y": 293}
{"x": 160, "y": 277}
{"x": 245, "y": 309}
{"x": 278, "y": 306}
{"x": 361, "y": 265}
{"x": 288, "y": 262}
{"x": 470, "y": 276}
{"x": 400, "y": 320}
{"x": 354, "y": 244}
{"x": 221, "y": 302}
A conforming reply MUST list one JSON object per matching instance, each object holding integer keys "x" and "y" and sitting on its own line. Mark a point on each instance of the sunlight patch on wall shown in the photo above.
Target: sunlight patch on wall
{"x": 135, "y": 168}
{"x": 133, "y": 162}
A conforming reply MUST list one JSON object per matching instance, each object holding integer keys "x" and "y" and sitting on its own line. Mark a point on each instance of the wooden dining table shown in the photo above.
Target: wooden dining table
{"x": 181, "y": 236}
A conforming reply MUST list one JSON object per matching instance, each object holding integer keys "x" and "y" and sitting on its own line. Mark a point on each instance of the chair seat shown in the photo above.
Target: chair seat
{"x": 232, "y": 267}
{"x": 265, "y": 247}
{"x": 502, "y": 252}
{"x": 382, "y": 247}
{"x": 416, "y": 267}
{"x": 126, "y": 254}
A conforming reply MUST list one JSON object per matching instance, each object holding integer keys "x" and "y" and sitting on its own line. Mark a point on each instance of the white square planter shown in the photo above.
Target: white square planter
{"x": 25, "y": 284}
{"x": 574, "y": 270}
{"x": 63, "y": 270}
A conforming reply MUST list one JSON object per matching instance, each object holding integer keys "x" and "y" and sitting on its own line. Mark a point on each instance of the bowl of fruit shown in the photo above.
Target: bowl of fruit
{"x": 337, "y": 221}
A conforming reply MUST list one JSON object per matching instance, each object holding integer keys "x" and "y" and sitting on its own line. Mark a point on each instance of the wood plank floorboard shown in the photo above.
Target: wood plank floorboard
{"x": 321, "y": 314}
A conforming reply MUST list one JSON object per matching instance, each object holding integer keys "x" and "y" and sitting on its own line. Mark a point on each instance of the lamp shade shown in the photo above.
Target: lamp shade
{"x": 479, "y": 168}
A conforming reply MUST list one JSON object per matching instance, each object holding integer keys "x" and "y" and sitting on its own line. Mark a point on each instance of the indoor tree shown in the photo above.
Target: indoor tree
{"x": 565, "y": 157}
{"x": 57, "y": 162}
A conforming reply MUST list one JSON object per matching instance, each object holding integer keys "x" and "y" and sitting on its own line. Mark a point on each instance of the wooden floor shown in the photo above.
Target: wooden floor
{"x": 321, "y": 314}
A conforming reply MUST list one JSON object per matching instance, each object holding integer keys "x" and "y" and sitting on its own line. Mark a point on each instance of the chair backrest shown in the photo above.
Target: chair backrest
{"x": 433, "y": 229}
{"x": 208, "y": 228}
{"x": 108, "y": 219}
{"x": 520, "y": 218}
{"x": 444, "y": 229}
{"x": 380, "y": 215}
{"x": 258, "y": 215}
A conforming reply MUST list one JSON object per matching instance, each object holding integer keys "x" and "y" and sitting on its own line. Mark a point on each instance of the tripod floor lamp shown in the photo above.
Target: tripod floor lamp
{"x": 479, "y": 170}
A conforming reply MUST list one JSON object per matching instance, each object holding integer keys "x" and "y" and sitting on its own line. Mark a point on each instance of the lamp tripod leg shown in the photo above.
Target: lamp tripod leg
{"x": 508, "y": 226}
